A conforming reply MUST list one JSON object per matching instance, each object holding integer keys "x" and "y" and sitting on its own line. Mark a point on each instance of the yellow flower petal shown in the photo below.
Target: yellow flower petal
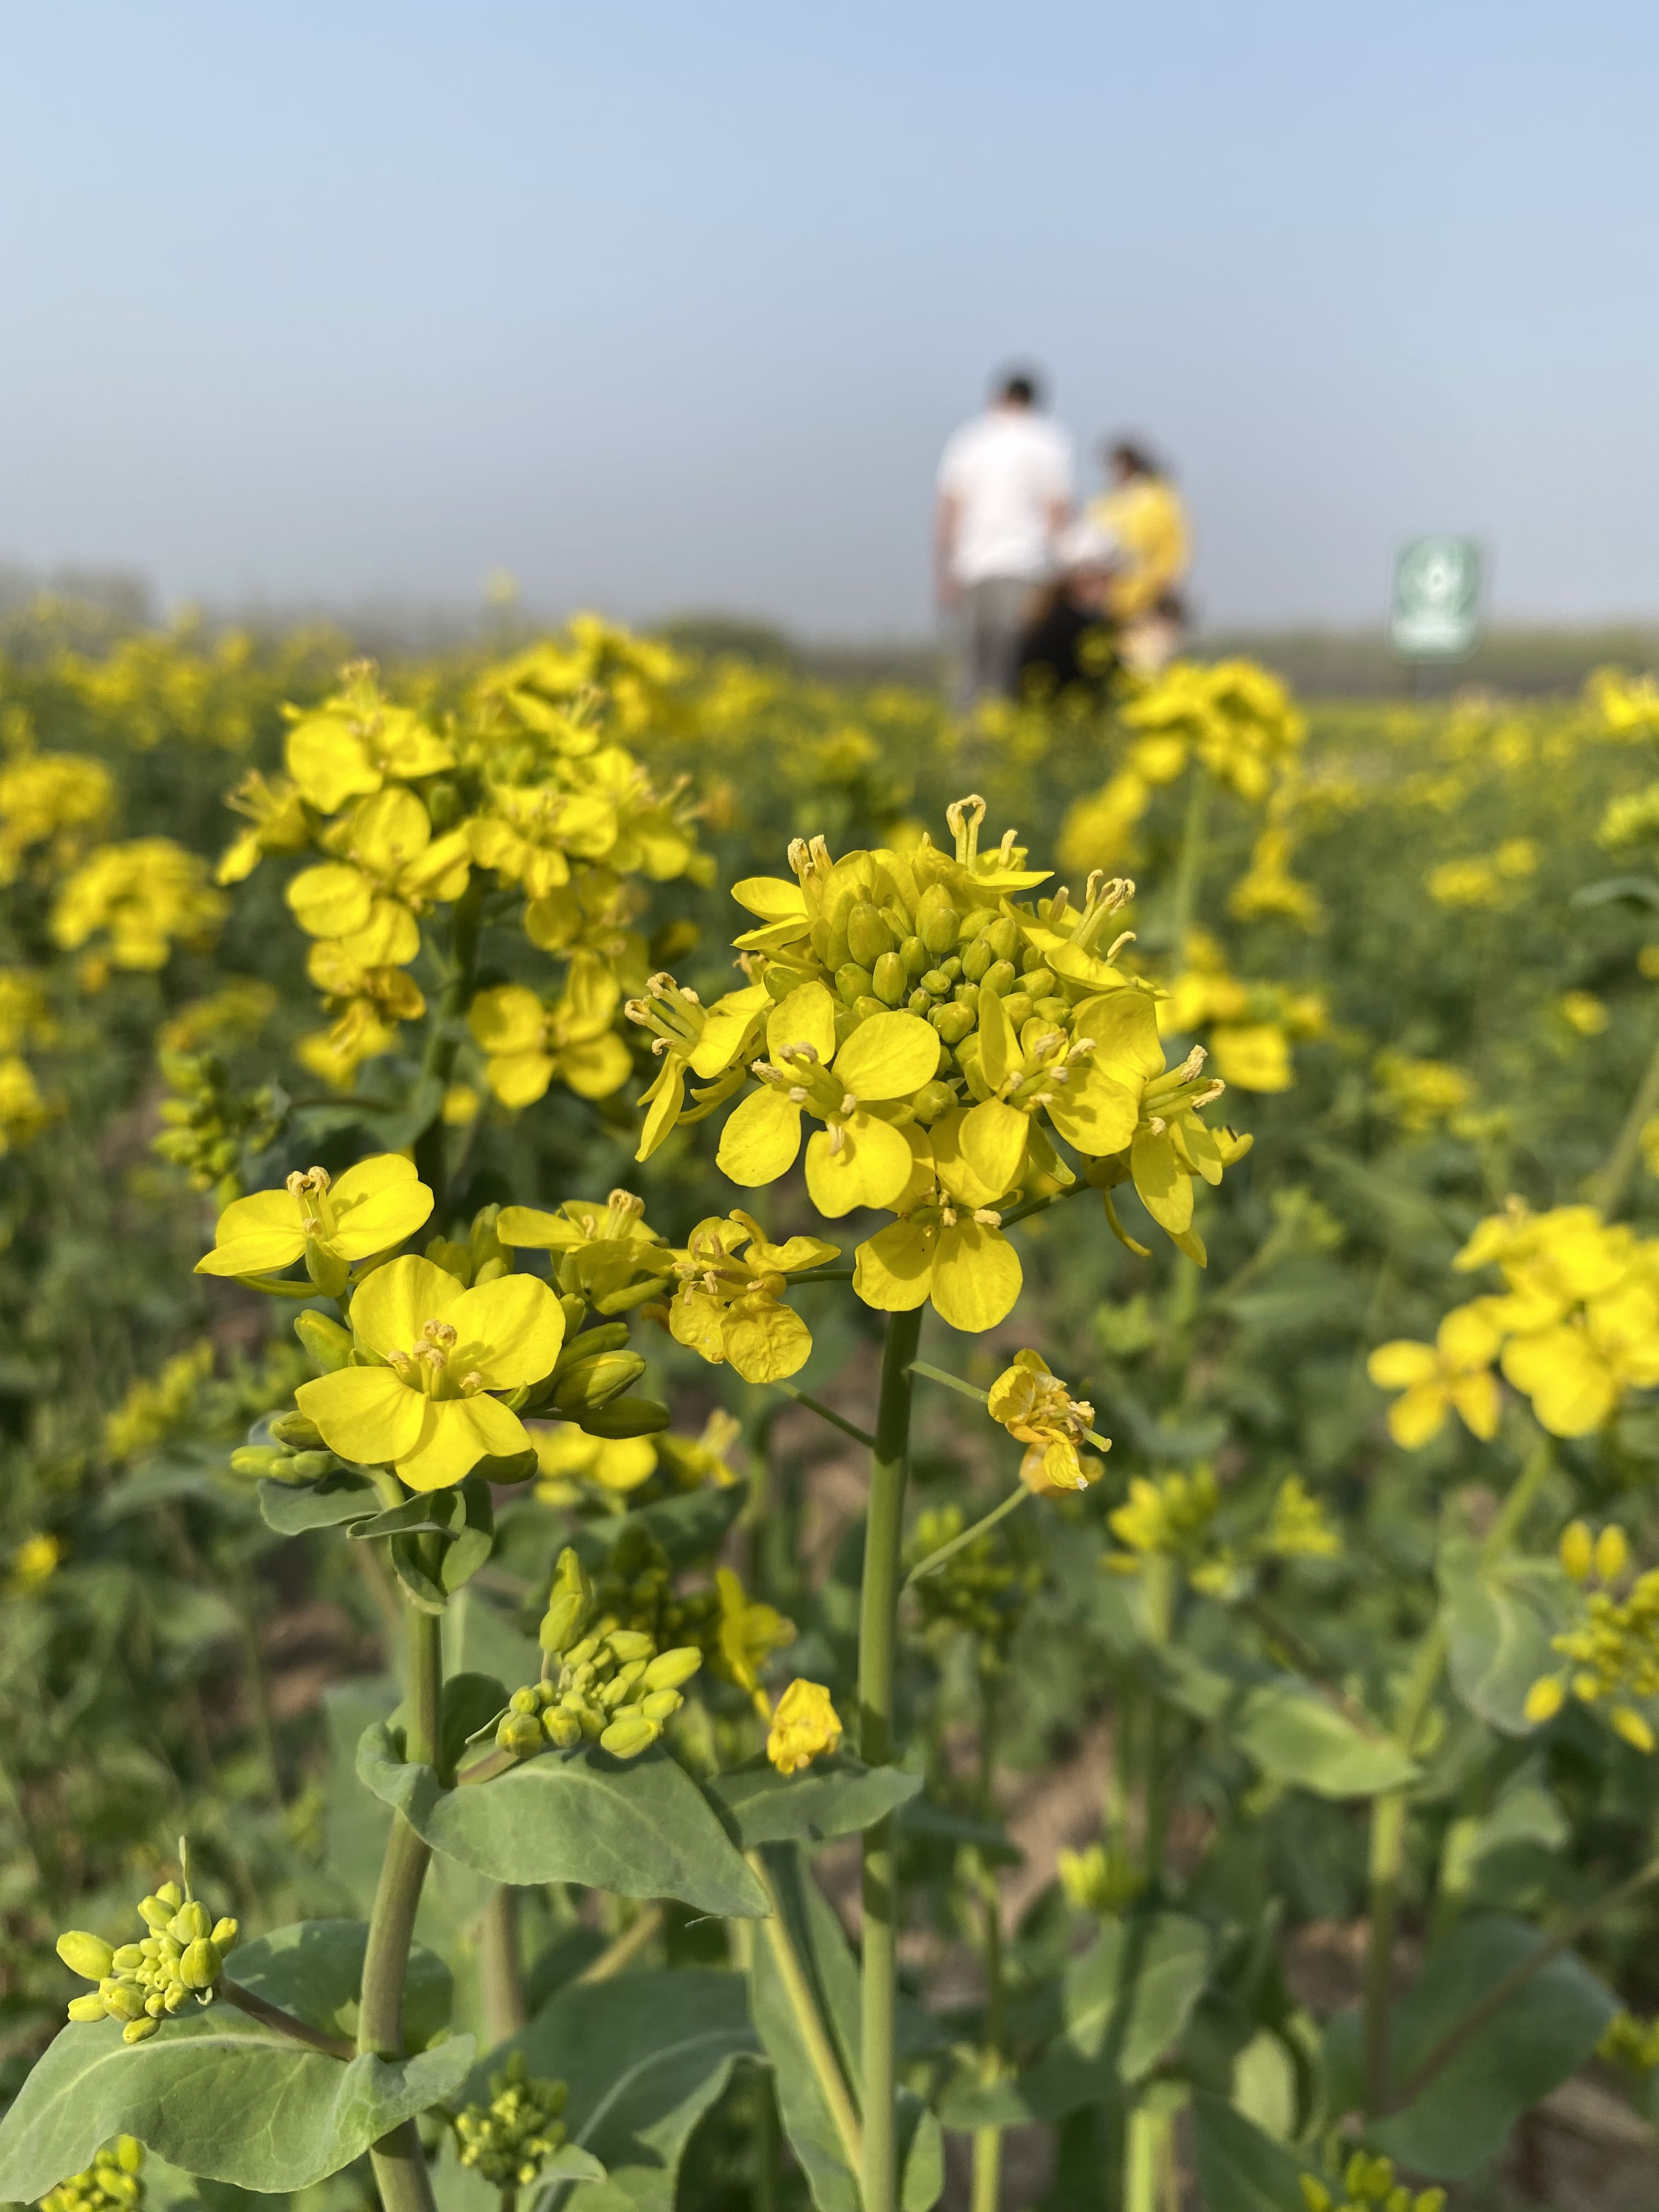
{"x": 889, "y": 1056}
{"x": 596, "y": 1068}
{"x": 509, "y": 1330}
{"x": 1477, "y": 1400}
{"x": 1399, "y": 1365}
{"x": 463, "y": 1432}
{"x": 390, "y": 1308}
{"x": 762, "y": 1138}
{"x": 389, "y": 830}
{"x": 508, "y": 1018}
{"x": 1544, "y": 1699}
{"x": 390, "y": 937}
{"x": 730, "y": 1020}
{"x": 976, "y": 1276}
{"x": 1124, "y": 1026}
{"x": 330, "y": 900}
{"x": 520, "y": 1079}
{"x": 376, "y": 1205}
{"x": 1095, "y": 1112}
{"x": 254, "y": 1234}
{"x": 871, "y": 1167}
{"x": 1465, "y": 1338}
{"x": 365, "y": 1414}
{"x": 998, "y": 1048}
{"x": 766, "y": 1341}
{"x": 893, "y": 1270}
{"x": 1420, "y": 1414}
{"x": 951, "y": 1166}
{"x": 1163, "y": 1190}
{"x": 994, "y": 1137}
{"x": 329, "y": 762}
{"x": 807, "y": 1016}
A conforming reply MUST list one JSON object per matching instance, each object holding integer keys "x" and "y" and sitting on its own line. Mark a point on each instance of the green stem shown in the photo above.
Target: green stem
{"x": 443, "y": 1042}
{"x": 934, "y": 1561}
{"x": 258, "y": 1678}
{"x": 399, "y": 2164}
{"x": 621, "y": 1951}
{"x": 1159, "y": 1589}
{"x": 878, "y": 1629}
{"x": 299, "y": 2031}
{"x": 987, "y": 2140}
{"x": 1611, "y": 1183}
{"x": 820, "y": 2050}
{"x": 826, "y": 1413}
{"x": 500, "y": 1969}
{"x": 1190, "y": 868}
{"x": 1388, "y": 1838}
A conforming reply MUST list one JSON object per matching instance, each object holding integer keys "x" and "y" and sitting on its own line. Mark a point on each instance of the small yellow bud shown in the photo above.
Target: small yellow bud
{"x": 201, "y": 1966}
{"x": 90, "y": 1956}
{"x": 1577, "y": 1550}
{"x": 1612, "y": 1553}
{"x": 190, "y": 1922}
{"x": 628, "y": 1644}
{"x": 629, "y": 1734}
{"x": 564, "y": 1731}
{"x": 661, "y": 1705}
{"x": 1632, "y": 1726}
{"x": 127, "y": 1959}
{"x": 121, "y": 2000}
{"x": 520, "y": 1733}
{"x": 1544, "y": 1699}
{"x": 156, "y": 1911}
{"x": 525, "y": 1701}
{"x": 805, "y": 1724}
{"x": 224, "y": 1934}
{"x": 670, "y": 1669}
{"x": 87, "y": 2008}
{"x": 1315, "y": 2194}
{"x": 136, "y": 2030}
{"x": 171, "y": 1895}
{"x": 327, "y": 1345}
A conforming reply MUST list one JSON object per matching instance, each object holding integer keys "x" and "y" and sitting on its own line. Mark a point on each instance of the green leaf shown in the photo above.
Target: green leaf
{"x": 834, "y": 1797}
{"x": 408, "y": 1558}
{"x": 1543, "y": 2034}
{"x": 640, "y": 1827}
{"x": 645, "y": 2055}
{"x": 689, "y": 1527}
{"x": 217, "y": 2094}
{"x": 463, "y": 1517}
{"x": 1239, "y": 2169}
{"x": 314, "y": 1969}
{"x": 291, "y": 1508}
{"x": 1125, "y": 2001}
{"x": 820, "y": 1945}
{"x": 1500, "y": 1616}
{"x": 483, "y": 1638}
{"x": 1285, "y": 1726}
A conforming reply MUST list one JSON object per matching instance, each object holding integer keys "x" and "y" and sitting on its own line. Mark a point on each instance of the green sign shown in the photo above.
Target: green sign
{"x": 1436, "y": 613}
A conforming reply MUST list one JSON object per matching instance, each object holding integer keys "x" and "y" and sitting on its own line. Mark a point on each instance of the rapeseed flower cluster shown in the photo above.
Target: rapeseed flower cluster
{"x": 112, "y": 2183}
{"x": 985, "y": 1587}
{"x": 508, "y": 2141}
{"x": 181, "y": 1955}
{"x": 926, "y": 1032}
{"x": 1175, "y": 1516}
{"x": 1249, "y": 1028}
{"x": 52, "y": 806}
{"x": 1038, "y": 1410}
{"x": 1611, "y": 1649}
{"x": 1575, "y": 1330}
{"x": 1366, "y": 2181}
{"x": 139, "y": 900}
{"x": 518, "y": 809}
{"x": 1493, "y": 880}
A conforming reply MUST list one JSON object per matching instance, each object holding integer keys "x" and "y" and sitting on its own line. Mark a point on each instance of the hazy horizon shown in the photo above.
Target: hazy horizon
{"x": 669, "y": 313}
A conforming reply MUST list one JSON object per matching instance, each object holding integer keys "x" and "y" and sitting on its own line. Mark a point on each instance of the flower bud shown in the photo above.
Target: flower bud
{"x": 87, "y": 2008}
{"x": 937, "y": 983}
{"x": 1017, "y": 1004}
{"x": 1039, "y": 980}
{"x": 999, "y": 977}
{"x": 613, "y": 1693}
{"x": 661, "y": 1705}
{"x": 190, "y": 1923}
{"x": 525, "y": 1701}
{"x": 932, "y": 1099}
{"x": 593, "y": 1383}
{"x": 327, "y": 1345}
{"x": 296, "y": 1431}
{"x": 889, "y": 980}
{"x": 952, "y": 1020}
{"x": 90, "y": 1956}
{"x": 121, "y": 2000}
{"x": 308, "y": 1465}
{"x": 564, "y": 1731}
{"x": 158, "y": 1911}
{"x": 136, "y": 2030}
{"x": 628, "y": 1643}
{"x": 627, "y": 1417}
{"x": 329, "y": 1274}
{"x": 224, "y": 1934}
{"x": 915, "y": 956}
{"x": 201, "y": 1966}
{"x": 520, "y": 1733}
{"x": 629, "y": 1734}
{"x": 852, "y": 982}
{"x": 1003, "y": 936}
{"x": 670, "y": 1669}
{"x": 127, "y": 1959}
{"x": 568, "y": 1606}
{"x": 867, "y": 1008}
{"x": 270, "y": 1461}
{"x": 976, "y": 960}
{"x": 607, "y": 1336}
{"x": 868, "y": 937}
{"x": 177, "y": 1996}
{"x": 937, "y": 921}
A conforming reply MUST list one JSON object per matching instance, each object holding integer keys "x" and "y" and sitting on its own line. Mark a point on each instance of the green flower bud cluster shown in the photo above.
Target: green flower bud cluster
{"x": 206, "y": 1124}
{"x": 181, "y": 1955}
{"x": 296, "y": 1453}
{"x": 601, "y": 1684}
{"x": 595, "y": 1367}
{"x": 508, "y": 2141}
{"x": 482, "y": 1259}
{"x": 635, "y": 1590}
{"x": 1367, "y": 2182}
{"x": 985, "y": 1587}
{"x": 112, "y": 2183}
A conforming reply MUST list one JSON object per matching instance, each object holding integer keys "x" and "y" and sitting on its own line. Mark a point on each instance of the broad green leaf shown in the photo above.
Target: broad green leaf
{"x": 1499, "y": 1617}
{"x": 314, "y": 1969}
{"x": 1128, "y": 1996}
{"x": 640, "y": 1827}
{"x": 1543, "y": 2034}
{"x": 645, "y": 2055}
{"x": 1239, "y": 2169}
{"x": 834, "y": 1797}
{"x": 217, "y": 2094}
{"x": 820, "y": 1945}
{"x": 1291, "y": 1731}
{"x": 482, "y": 1638}
{"x": 291, "y": 1508}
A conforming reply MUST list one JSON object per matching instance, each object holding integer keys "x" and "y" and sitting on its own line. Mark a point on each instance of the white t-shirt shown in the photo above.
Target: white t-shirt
{"x": 1005, "y": 470}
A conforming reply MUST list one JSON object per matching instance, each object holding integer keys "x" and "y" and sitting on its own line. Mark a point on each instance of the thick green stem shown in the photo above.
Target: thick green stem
{"x": 1611, "y": 1183}
{"x": 400, "y": 2171}
{"x": 1388, "y": 1840}
{"x": 1190, "y": 871}
{"x": 878, "y": 1631}
{"x": 500, "y": 1969}
{"x": 987, "y": 2140}
{"x": 442, "y": 1042}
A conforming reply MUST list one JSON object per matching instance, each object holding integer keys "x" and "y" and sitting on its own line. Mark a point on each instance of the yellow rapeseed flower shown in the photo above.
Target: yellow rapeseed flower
{"x": 428, "y": 1411}
{"x": 1038, "y": 1410}
{"x": 728, "y": 1304}
{"x": 373, "y": 1207}
{"x": 804, "y": 1725}
{"x": 1453, "y": 1373}
{"x": 526, "y": 1043}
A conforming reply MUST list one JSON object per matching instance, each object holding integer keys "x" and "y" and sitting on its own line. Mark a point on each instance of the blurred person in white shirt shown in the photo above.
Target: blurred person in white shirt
{"x": 1005, "y": 495}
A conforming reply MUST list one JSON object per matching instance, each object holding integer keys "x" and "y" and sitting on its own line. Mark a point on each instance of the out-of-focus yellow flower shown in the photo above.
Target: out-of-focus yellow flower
{"x": 358, "y": 743}
{"x": 1584, "y": 1012}
{"x": 567, "y": 1456}
{"x": 528, "y": 1044}
{"x": 278, "y": 820}
{"x": 1611, "y": 1649}
{"x": 729, "y": 1301}
{"x": 1629, "y": 2042}
{"x": 428, "y": 1411}
{"x": 707, "y": 1458}
{"x": 1420, "y": 1093}
{"x": 143, "y": 897}
{"x": 1097, "y": 1881}
{"x": 34, "y": 1562}
{"x": 1038, "y": 1410}
{"x": 1628, "y": 705}
{"x": 151, "y": 1411}
{"x": 55, "y": 800}
{"x": 1298, "y": 1528}
{"x": 1453, "y": 1373}
{"x": 372, "y": 1208}
{"x": 1168, "y": 1516}
{"x": 394, "y": 869}
{"x": 804, "y": 1725}
{"x": 23, "y": 1112}
{"x": 749, "y": 1633}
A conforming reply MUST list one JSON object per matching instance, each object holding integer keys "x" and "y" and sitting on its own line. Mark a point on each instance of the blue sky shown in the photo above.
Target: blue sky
{"x": 661, "y": 307}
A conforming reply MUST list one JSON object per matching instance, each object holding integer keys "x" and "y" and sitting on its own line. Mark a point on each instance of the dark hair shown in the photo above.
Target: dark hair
{"x": 1021, "y": 387}
{"x": 1133, "y": 458}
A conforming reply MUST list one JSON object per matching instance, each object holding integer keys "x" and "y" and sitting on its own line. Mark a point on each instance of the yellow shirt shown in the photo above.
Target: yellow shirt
{"x": 1146, "y": 518}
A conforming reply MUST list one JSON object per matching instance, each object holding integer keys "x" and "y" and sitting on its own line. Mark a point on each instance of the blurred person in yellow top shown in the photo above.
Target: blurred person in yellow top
{"x": 1144, "y": 514}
